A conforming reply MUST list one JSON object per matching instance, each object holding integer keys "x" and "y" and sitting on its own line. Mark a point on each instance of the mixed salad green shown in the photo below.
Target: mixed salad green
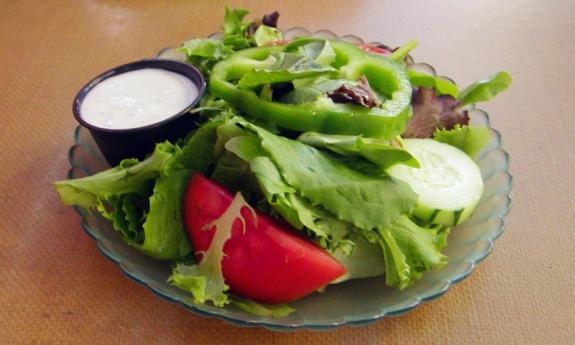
{"x": 368, "y": 159}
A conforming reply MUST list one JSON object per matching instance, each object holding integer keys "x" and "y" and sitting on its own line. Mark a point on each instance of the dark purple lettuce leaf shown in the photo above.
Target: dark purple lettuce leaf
{"x": 253, "y": 27}
{"x": 270, "y": 20}
{"x": 431, "y": 112}
{"x": 360, "y": 94}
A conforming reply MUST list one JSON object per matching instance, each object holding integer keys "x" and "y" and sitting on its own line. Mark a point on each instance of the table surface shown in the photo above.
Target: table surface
{"x": 57, "y": 288}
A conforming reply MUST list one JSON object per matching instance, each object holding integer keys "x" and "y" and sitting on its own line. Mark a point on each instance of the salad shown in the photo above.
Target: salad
{"x": 312, "y": 162}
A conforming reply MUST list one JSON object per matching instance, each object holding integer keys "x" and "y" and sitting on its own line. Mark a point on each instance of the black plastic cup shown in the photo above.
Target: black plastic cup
{"x": 118, "y": 144}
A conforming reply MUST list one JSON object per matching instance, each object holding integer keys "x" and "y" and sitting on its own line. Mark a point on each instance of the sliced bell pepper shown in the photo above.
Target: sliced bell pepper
{"x": 385, "y": 76}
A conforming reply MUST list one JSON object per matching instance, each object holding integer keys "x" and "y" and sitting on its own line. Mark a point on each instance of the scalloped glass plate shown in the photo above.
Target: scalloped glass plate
{"x": 354, "y": 303}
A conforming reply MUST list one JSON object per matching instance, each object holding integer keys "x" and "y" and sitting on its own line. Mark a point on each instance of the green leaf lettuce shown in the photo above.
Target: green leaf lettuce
{"x": 485, "y": 89}
{"x": 205, "y": 281}
{"x": 466, "y": 138}
{"x": 143, "y": 200}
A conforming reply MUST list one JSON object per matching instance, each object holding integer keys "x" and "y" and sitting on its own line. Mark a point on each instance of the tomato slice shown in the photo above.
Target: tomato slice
{"x": 266, "y": 261}
{"x": 374, "y": 49}
{"x": 277, "y": 43}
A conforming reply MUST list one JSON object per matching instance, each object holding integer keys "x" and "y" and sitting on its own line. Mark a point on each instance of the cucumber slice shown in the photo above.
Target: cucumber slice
{"x": 449, "y": 183}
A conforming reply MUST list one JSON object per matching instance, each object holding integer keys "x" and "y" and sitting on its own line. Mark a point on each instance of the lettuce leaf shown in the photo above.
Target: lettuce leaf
{"x": 255, "y": 308}
{"x": 308, "y": 90}
{"x": 287, "y": 67}
{"x": 205, "y": 48}
{"x": 320, "y": 52}
{"x": 142, "y": 199}
{"x": 199, "y": 150}
{"x": 205, "y": 281}
{"x": 409, "y": 250}
{"x": 266, "y": 34}
{"x": 401, "y": 53}
{"x": 235, "y": 28}
{"x": 164, "y": 235}
{"x": 127, "y": 212}
{"x": 441, "y": 86}
{"x": 276, "y": 191}
{"x": 130, "y": 176}
{"x": 326, "y": 181}
{"x": 431, "y": 112}
{"x": 377, "y": 151}
{"x": 485, "y": 89}
{"x": 233, "y": 21}
{"x": 365, "y": 260}
{"x": 328, "y": 231}
{"x": 205, "y": 52}
{"x": 234, "y": 174}
{"x": 466, "y": 138}
{"x": 436, "y": 106}
{"x": 246, "y": 146}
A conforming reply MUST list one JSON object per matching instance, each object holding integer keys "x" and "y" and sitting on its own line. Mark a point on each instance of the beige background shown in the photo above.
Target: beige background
{"x": 56, "y": 288}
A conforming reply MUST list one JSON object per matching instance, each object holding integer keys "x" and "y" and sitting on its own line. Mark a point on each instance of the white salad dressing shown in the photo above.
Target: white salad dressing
{"x": 137, "y": 98}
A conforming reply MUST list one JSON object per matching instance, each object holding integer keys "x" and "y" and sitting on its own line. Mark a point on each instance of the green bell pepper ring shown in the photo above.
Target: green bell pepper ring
{"x": 385, "y": 76}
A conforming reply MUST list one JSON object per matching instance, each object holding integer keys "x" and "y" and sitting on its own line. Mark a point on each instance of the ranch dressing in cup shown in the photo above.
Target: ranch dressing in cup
{"x": 130, "y": 108}
{"x": 137, "y": 98}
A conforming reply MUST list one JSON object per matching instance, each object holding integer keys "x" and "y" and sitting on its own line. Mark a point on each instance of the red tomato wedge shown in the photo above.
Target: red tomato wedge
{"x": 267, "y": 263}
{"x": 277, "y": 43}
{"x": 374, "y": 49}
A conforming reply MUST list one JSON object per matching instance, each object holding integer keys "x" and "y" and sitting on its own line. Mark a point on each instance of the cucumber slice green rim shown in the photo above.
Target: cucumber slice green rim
{"x": 449, "y": 183}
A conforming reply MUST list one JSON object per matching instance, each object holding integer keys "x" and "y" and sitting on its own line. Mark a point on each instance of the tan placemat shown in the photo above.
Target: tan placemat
{"x": 56, "y": 288}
